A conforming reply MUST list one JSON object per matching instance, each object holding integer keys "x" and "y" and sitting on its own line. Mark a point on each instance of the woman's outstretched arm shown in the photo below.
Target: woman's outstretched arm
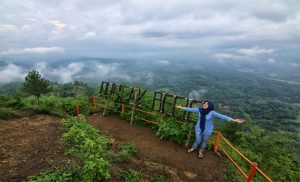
{"x": 222, "y": 116}
{"x": 188, "y": 109}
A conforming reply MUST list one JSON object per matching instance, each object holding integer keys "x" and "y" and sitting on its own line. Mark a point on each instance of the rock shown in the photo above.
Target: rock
{"x": 189, "y": 174}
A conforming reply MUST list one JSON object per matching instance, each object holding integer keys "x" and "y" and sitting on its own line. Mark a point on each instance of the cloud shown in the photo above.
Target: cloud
{"x": 253, "y": 53}
{"x": 197, "y": 94}
{"x": 106, "y": 71}
{"x": 61, "y": 74}
{"x": 11, "y": 73}
{"x": 36, "y": 50}
{"x": 58, "y": 26}
{"x": 89, "y": 35}
{"x": 271, "y": 60}
{"x": 80, "y": 71}
{"x": 163, "y": 62}
{"x": 138, "y": 28}
{"x": 8, "y": 27}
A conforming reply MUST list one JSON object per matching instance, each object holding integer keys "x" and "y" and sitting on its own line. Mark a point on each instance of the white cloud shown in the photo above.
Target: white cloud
{"x": 67, "y": 74}
{"x": 8, "y": 27}
{"x": 253, "y": 53}
{"x": 36, "y": 50}
{"x": 58, "y": 26}
{"x": 271, "y": 60}
{"x": 105, "y": 71}
{"x": 197, "y": 94}
{"x": 163, "y": 62}
{"x": 89, "y": 35}
{"x": 11, "y": 72}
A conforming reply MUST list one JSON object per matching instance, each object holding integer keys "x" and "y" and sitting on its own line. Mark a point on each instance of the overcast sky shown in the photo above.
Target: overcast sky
{"x": 251, "y": 30}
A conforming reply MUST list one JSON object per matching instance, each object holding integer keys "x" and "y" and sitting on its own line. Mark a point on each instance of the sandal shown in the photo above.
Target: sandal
{"x": 191, "y": 150}
{"x": 200, "y": 154}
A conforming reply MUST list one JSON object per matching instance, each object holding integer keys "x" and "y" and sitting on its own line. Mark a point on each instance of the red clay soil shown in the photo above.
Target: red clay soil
{"x": 28, "y": 145}
{"x": 150, "y": 148}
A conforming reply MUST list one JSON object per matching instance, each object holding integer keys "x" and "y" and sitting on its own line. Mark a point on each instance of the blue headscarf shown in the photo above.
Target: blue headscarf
{"x": 204, "y": 112}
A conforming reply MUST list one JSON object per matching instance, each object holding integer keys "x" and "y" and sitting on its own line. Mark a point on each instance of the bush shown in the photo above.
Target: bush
{"x": 7, "y": 113}
{"x": 169, "y": 128}
{"x": 14, "y": 101}
{"x": 130, "y": 176}
{"x": 69, "y": 106}
{"x": 128, "y": 149}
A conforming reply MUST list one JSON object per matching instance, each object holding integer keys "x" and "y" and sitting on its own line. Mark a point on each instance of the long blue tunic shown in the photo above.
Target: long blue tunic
{"x": 209, "y": 120}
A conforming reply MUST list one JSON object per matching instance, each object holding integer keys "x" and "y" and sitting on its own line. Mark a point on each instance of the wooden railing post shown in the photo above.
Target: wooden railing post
{"x": 252, "y": 172}
{"x": 122, "y": 113}
{"x": 188, "y": 138}
{"x": 217, "y": 142}
{"x": 77, "y": 108}
{"x": 94, "y": 103}
{"x": 134, "y": 104}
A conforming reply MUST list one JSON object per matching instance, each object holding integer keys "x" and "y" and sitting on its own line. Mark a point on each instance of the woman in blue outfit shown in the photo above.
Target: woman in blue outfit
{"x": 204, "y": 126}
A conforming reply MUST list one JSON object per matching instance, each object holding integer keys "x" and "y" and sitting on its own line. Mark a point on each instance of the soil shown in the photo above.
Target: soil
{"x": 30, "y": 145}
{"x": 178, "y": 164}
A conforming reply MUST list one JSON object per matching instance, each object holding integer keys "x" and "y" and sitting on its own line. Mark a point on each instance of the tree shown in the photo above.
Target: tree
{"x": 35, "y": 85}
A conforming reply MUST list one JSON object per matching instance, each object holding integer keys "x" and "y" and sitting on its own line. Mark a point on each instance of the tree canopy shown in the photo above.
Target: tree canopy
{"x": 35, "y": 84}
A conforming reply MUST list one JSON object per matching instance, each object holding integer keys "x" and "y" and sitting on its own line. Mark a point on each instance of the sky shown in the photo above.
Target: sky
{"x": 222, "y": 30}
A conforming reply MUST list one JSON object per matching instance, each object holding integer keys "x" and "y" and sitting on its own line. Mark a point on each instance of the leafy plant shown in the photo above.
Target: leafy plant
{"x": 70, "y": 172}
{"x": 128, "y": 149}
{"x": 169, "y": 128}
{"x": 130, "y": 176}
{"x": 7, "y": 113}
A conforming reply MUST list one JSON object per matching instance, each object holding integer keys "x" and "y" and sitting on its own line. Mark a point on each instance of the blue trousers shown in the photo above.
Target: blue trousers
{"x": 201, "y": 139}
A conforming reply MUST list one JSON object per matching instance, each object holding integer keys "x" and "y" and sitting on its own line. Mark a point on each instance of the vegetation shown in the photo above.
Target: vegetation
{"x": 269, "y": 136}
{"x": 85, "y": 142}
{"x": 35, "y": 85}
{"x": 131, "y": 176}
{"x": 268, "y": 148}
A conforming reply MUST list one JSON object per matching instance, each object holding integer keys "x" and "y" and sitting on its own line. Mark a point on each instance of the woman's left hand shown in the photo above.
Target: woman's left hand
{"x": 238, "y": 120}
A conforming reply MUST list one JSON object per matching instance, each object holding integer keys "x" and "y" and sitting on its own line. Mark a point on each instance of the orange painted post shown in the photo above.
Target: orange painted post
{"x": 94, "y": 103}
{"x": 252, "y": 172}
{"x": 77, "y": 108}
{"x": 122, "y": 113}
{"x": 217, "y": 142}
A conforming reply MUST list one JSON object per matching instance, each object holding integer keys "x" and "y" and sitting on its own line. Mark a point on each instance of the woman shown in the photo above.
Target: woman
{"x": 204, "y": 126}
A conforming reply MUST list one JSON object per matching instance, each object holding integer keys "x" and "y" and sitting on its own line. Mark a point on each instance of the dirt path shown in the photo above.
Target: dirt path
{"x": 210, "y": 168}
{"x": 28, "y": 145}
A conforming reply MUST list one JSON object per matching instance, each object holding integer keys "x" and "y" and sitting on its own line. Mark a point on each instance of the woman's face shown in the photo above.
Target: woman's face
{"x": 205, "y": 105}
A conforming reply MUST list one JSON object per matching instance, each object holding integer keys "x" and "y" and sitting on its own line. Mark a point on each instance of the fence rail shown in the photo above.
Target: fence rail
{"x": 217, "y": 145}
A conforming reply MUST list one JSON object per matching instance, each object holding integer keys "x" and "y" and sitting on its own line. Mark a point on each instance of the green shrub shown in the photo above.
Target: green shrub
{"x": 130, "y": 176}
{"x": 70, "y": 172}
{"x": 14, "y": 101}
{"x": 128, "y": 149}
{"x": 169, "y": 128}
{"x": 7, "y": 113}
{"x": 95, "y": 169}
{"x": 69, "y": 106}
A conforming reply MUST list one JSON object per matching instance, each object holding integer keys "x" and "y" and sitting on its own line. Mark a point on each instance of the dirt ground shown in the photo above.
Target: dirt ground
{"x": 30, "y": 144}
{"x": 179, "y": 165}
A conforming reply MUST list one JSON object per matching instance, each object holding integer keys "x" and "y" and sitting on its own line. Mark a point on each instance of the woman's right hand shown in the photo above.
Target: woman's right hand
{"x": 178, "y": 106}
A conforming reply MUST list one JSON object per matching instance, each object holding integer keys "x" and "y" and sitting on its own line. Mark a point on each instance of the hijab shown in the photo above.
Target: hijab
{"x": 203, "y": 113}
